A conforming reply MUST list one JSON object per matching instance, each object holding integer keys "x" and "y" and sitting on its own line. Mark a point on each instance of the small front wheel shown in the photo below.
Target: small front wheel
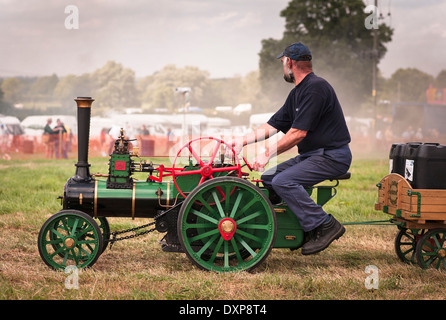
{"x": 70, "y": 237}
{"x": 105, "y": 229}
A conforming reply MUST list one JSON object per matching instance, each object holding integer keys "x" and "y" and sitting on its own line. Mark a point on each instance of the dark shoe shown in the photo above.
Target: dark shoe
{"x": 323, "y": 236}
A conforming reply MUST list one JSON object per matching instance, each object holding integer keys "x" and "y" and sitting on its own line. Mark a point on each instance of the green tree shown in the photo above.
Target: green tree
{"x": 235, "y": 90}
{"x": 440, "y": 80}
{"x": 42, "y": 89}
{"x": 250, "y": 91}
{"x": 408, "y": 85}
{"x": 340, "y": 44}
{"x": 5, "y": 108}
{"x": 223, "y": 92}
{"x": 70, "y": 87}
{"x": 12, "y": 90}
{"x": 158, "y": 90}
{"x": 114, "y": 87}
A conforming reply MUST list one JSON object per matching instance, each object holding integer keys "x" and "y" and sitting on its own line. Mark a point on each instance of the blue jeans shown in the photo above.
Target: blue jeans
{"x": 290, "y": 178}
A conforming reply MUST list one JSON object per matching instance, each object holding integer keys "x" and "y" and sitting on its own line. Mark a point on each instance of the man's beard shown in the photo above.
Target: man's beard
{"x": 289, "y": 77}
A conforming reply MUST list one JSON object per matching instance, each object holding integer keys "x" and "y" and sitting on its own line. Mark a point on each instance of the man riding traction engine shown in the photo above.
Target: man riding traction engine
{"x": 312, "y": 119}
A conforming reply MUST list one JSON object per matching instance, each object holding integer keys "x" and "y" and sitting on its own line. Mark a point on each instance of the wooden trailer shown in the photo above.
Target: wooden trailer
{"x": 420, "y": 215}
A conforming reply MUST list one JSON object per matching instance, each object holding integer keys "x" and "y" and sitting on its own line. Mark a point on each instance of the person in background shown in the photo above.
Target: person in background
{"x": 4, "y": 132}
{"x": 48, "y": 138}
{"x": 61, "y": 135}
{"x": 170, "y": 141}
{"x": 103, "y": 141}
{"x": 144, "y": 131}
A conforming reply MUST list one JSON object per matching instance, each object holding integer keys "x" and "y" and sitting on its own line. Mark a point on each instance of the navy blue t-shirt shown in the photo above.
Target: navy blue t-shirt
{"x": 312, "y": 106}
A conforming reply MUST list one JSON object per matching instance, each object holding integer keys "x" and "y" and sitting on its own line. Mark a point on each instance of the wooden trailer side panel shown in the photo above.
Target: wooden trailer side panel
{"x": 421, "y": 206}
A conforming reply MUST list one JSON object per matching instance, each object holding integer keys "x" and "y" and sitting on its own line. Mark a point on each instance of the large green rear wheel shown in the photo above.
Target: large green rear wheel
{"x": 70, "y": 237}
{"x": 227, "y": 224}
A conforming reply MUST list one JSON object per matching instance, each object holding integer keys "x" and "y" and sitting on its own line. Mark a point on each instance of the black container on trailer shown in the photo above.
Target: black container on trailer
{"x": 410, "y": 156}
{"x": 426, "y": 166}
{"x": 397, "y": 162}
{"x": 397, "y": 156}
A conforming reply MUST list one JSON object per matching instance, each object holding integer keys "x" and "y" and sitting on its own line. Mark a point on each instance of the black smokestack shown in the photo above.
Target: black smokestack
{"x": 83, "y": 136}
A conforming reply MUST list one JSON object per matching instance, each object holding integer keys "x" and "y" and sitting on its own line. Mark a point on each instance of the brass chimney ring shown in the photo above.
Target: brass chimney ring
{"x": 84, "y": 102}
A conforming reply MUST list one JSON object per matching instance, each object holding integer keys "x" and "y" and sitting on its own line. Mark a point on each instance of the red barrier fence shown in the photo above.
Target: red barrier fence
{"x": 40, "y": 147}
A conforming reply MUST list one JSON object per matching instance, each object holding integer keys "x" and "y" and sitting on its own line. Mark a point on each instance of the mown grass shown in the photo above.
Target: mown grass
{"x": 137, "y": 268}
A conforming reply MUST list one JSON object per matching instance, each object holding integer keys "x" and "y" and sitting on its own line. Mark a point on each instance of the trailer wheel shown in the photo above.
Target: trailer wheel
{"x": 227, "y": 224}
{"x": 70, "y": 237}
{"x": 431, "y": 249}
{"x": 406, "y": 243}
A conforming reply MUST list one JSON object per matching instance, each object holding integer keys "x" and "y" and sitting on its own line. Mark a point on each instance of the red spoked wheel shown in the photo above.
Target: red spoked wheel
{"x": 204, "y": 152}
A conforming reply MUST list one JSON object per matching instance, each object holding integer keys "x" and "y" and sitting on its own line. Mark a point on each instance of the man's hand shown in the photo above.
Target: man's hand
{"x": 237, "y": 145}
{"x": 259, "y": 163}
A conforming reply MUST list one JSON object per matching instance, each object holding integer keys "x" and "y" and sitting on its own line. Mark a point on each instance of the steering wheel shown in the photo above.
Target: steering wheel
{"x": 205, "y": 168}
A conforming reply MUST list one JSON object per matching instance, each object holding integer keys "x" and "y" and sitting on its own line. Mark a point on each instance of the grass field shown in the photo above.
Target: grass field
{"x": 138, "y": 269}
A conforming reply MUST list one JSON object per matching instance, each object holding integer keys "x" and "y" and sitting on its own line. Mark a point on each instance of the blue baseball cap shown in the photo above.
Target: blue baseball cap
{"x": 296, "y": 51}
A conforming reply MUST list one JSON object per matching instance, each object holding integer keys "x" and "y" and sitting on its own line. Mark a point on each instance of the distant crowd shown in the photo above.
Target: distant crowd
{"x": 57, "y": 140}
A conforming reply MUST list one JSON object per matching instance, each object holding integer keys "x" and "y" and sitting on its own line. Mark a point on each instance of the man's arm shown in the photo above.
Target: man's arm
{"x": 261, "y": 133}
{"x": 291, "y": 139}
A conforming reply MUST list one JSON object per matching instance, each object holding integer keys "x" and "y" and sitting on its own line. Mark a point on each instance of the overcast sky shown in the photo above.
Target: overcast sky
{"x": 222, "y": 37}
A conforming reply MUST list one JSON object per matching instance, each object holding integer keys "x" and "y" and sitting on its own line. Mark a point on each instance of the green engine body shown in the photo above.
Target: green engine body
{"x": 120, "y": 195}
